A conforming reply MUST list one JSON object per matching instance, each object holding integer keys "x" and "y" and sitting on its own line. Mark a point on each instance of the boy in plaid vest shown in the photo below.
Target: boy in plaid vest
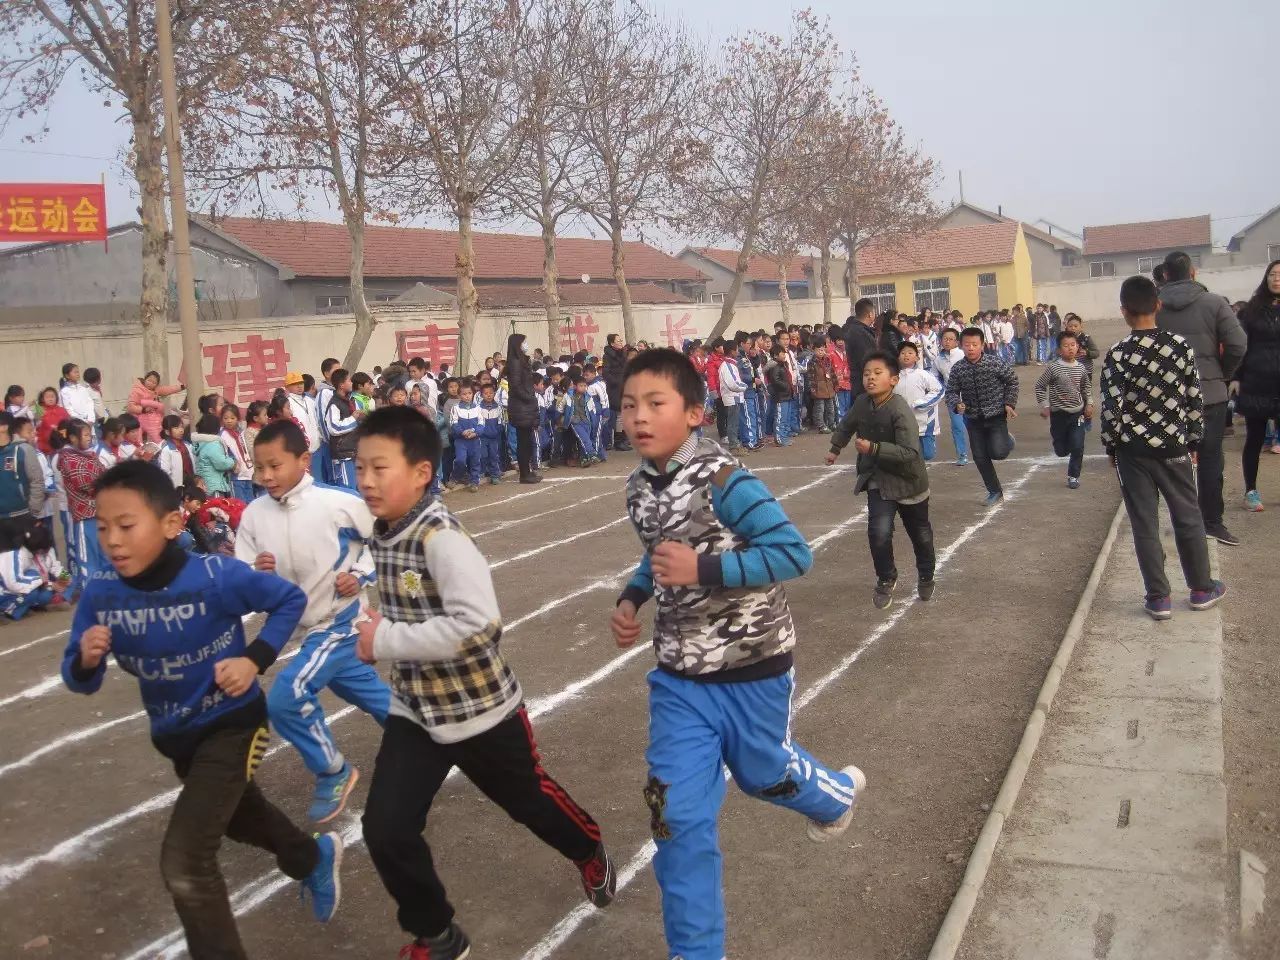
{"x": 455, "y": 702}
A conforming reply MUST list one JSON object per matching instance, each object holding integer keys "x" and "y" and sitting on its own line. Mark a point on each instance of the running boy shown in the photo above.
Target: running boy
{"x": 1062, "y": 391}
{"x": 1152, "y": 424}
{"x": 985, "y": 390}
{"x": 922, "y": 391}
{"x": 173, "y": 620}
{"x": 717, "y": 546}
{"x": 885, "y": 432}
{"x": 456, "y": 702}
{"x": 314, "y": 536}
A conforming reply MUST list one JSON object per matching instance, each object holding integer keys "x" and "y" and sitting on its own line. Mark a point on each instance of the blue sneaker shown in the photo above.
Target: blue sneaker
{"x": 1158, "y": 608}
{"x": 332, "y": 790}
{"x": 962, "y": 461}
{"x": 324, "y": 883}
{"x": 993, "y": 499}
{"x": 1204, "y": 599}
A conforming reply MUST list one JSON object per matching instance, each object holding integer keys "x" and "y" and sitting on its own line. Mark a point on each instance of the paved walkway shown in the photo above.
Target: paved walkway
{"x": 1117, "y": 844}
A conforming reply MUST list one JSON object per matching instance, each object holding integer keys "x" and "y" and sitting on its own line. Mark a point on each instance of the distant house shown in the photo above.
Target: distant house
{"x": 983, "y": 266}
{"x": 1259, "y": 242}
{"x": 1050, "y": 253}
{"x": 1123, "y": 249}
{"x": 274, "y": 268}
{"x": 762, "y": 280}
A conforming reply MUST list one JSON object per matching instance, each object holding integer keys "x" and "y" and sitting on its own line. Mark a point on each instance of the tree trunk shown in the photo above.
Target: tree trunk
{"x": 784, "y": 293}
{"x": 851, "y": 271}
{"x": 826, "y": 283}
{"x": 731, "y": 297}
{"x": 365, "y": 322}
{"x": 550, "y": 284}
{"x": 467, "y": 300}
{"x": 153, "y": 308}
{"x": 620, "y": 278}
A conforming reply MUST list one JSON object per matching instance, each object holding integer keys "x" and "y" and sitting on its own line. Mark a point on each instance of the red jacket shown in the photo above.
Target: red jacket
{"x": 840, "y": 361}
{"x": 713, "y": 371}
{"x": 52, "y": 419}
{"x": 80, "y": 470}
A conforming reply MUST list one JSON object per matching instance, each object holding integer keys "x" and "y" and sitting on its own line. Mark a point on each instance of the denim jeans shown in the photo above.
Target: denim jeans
{"x": 1067, "y": 432}
{"x": 732, "y": 413}
{"x": 915, "y": 517}
{"x": 824, "y": 413}
{"x": 959, "y": 436}
{"x": 989, "y": 440}
{"x": 929, "y": 441}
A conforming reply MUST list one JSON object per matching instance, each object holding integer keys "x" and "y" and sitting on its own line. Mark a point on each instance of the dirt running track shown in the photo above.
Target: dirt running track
{"x": 929, "y": 699}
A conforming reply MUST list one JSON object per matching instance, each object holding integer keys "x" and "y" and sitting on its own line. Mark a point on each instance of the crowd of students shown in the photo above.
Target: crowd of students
{"x": 170, "y": 521}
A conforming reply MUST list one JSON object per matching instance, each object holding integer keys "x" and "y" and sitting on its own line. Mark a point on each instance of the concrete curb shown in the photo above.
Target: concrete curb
{"x": 954, "y": 924}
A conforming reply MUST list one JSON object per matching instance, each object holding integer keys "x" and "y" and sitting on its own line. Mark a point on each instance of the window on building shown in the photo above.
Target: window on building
{"x": 988, "y": 294}
{"x": 1102, "y": 268}
{"x": 885, "y": 295}
{"x": 717, "y": 298}
{"x": 1273, "y": 252}
{"x": 333, "y": 303}
{"x": 384, "y": 297}
{"x": 1147, "y": 264}
{"x": 934, "y": 293}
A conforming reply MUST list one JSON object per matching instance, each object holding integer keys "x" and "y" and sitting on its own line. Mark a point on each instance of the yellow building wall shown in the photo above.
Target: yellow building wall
{"x": 1013, "y": 282}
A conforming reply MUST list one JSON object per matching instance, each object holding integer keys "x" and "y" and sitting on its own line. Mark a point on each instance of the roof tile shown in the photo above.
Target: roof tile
{"x": 760, "y": 267}
{"x": 1147, "y": 235}
{"x": 974, "y": 245}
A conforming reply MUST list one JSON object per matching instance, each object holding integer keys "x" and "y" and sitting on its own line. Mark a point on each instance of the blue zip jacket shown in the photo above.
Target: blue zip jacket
{"x": 170, "y": 637}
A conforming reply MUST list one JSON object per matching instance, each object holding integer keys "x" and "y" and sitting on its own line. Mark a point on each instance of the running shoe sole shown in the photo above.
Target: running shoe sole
{"x": 825, "y": 832}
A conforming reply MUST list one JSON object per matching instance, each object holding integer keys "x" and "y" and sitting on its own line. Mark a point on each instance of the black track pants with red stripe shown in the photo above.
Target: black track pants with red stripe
{"x": 504, "y": 763}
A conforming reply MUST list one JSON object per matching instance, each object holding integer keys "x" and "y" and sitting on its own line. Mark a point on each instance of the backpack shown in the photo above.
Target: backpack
{"x": 14, "y": 485}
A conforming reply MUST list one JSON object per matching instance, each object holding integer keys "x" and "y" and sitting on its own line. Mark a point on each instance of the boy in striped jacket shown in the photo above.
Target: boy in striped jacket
{"x": 455, "y": 701}
{"x": 1063, "y": 393}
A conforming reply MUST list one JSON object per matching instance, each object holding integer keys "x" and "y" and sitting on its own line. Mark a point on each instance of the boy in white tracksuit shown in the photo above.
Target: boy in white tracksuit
{"x": 922, "y": 391}
{"x": 316, "y": 537}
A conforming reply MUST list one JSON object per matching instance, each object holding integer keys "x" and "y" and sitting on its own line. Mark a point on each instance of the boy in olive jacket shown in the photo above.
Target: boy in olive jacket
{"x": 892, "y": 471}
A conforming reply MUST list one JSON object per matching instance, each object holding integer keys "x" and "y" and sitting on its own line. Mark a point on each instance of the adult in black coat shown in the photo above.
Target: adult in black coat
{"x": 522, "y": 405}
{"x": 615, "y": 361}
{"x": 860, "y": 340}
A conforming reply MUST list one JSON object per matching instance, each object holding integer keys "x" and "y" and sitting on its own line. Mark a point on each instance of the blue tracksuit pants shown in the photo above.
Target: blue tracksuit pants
{"x": 16, "y": 606}
{"x": 320, "y": 463}
{"x": 327, "y": 658}
{"x": 466, "y": 459}
{"x": 749, "y": 419}
{"x": 490, "y": 457}
{"x": 586, "y": 434}
{"x": 342, "y": 473}
{"x": 89, "y": 556}
{"x": 695, "y": 730}
{"x": 844, "y": 399}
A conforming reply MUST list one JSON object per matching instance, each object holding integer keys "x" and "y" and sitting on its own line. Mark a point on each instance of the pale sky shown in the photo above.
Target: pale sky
{"x": 1088, "y": 112}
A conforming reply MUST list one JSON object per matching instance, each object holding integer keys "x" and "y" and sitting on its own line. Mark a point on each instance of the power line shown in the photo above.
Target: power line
{"x": 52, "y": 153}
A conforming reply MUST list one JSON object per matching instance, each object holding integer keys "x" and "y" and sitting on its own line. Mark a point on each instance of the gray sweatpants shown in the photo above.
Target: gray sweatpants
{"x": 1143, "y": 480}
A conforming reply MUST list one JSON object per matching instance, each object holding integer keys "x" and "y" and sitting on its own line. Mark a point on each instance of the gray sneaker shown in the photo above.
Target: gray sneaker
{"x": 882, "y": 596}
{"x": 924, "y": 589}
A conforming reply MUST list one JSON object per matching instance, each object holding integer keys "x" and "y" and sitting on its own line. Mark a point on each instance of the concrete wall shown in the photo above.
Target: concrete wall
{"x": 247, "y": 359}
{"x": 1253, "y": 245}
{"x": 1100, "y": 299}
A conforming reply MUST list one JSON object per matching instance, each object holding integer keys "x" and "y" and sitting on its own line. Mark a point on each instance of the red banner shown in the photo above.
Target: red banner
{"x": 58, "y": 212}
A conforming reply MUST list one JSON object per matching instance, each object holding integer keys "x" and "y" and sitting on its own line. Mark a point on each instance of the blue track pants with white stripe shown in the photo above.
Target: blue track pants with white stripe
{"x": 327, "y": 658}
{"x": 695, "y": 730}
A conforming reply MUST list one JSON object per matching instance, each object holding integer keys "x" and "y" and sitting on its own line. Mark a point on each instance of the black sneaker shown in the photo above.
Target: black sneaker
{"x": 924, "y": 589}
{"x": 450, "y": 945}
{"x": 599, "y": 881}
{"x": 1220, "y": 533}
{"x": 531, "y": 478}
{"x": 883, "y": 594}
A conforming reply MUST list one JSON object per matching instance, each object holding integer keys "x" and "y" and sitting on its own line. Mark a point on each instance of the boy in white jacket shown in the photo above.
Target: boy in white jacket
{"x": 922, "y": 391}
{"x": 316, "y": 537}
{"x": 31, "y": 577}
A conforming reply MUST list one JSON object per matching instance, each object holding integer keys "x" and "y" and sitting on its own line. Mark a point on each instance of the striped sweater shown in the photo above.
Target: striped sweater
{"x": 1064, "y": 387}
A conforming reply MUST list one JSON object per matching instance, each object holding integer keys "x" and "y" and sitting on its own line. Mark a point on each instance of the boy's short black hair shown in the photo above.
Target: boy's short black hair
{"x": 909, "y": 345}
{"x": 583, "y": 380}
{"x": 885, "y": 357}
{"x": 92, "y": 375}
{"x": 339, "y": 377}
{"x": 328, "y": 363}
{"x": 864, "y": 307}
{"x": 295, "y": 441}
{"x": 973, "y": 332}
{"x": 128, "y": 422}
{"x": 143, "y": 478}
{"x": 308, "y": 383}
{"x": 1139, "y": 296}
{"x": 488, "y": 385}
{"x": 589, "y": 368}
{"x": 674, "y": 366}
{"x": 416, "y": 434}
{"x": 952, "y": 331}
{"x": 1177, "y": 266}
{"x": 112, "y": 426}
{"x": 1068, "y": 335}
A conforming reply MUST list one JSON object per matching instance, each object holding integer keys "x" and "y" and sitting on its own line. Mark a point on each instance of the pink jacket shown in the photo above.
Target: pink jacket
{"x": 146, "y": 406}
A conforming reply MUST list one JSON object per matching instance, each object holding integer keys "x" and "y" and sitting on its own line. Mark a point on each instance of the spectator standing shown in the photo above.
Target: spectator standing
{"x": 615, "y": 361}
{"x": 522, "y": 405}
{"x": 859, "y": 340}
{"x": 145, "y": 404}
{"x": 1257, "y": 381}
{"x": 1206, "y": 321}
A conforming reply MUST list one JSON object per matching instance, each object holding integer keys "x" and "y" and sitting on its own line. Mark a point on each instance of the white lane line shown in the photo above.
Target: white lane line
{"x": 546, "y": 486}
{"x": 35, "y": 690}
{"x": 260, "y": 890}
{"x": 507, "y": 524}
{"x": 574, "y": 919}
{"x": 32, "y": 643}
{"x": 68, "y": 740}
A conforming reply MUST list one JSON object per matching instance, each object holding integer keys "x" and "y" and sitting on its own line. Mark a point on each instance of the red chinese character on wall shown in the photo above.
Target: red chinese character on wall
{"x": 431, "y": 343}
{"x": 247, "y": 371}
{"x": 679, "y": 331}
{"x": 579, "y": 334}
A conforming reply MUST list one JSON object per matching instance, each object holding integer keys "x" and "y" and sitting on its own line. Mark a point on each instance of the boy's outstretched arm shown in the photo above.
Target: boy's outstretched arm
{"x": 775, "y": 549}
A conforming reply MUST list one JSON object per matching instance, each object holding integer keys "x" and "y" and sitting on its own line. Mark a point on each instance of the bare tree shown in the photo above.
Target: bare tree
{"x": 111, "y": 45}
{"x": 640, "y": 72}
{"x": 551, "y": 104}
{"x": 457, "y": 126}
{"x": 765, "y": 93}
{"x": 299, "y": 108}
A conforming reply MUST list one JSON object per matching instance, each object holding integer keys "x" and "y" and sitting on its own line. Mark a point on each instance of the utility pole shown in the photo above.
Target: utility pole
{"x": 192, "y": 357}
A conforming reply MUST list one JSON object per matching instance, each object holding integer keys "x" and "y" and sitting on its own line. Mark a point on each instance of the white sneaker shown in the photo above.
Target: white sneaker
{"x": 822, "y": 832}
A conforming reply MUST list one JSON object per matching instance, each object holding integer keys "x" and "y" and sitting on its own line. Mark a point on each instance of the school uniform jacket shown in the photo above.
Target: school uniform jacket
{"x": 20, "y": 573}
{"x": 315, "y": 532}
{"x": 303, "y": 409}
{"x": 463, "y": 417}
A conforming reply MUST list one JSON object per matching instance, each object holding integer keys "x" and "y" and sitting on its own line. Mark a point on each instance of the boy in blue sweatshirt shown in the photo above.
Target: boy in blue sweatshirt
{"x": 173, "y": 620}
{"x": 717, "y": 548}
